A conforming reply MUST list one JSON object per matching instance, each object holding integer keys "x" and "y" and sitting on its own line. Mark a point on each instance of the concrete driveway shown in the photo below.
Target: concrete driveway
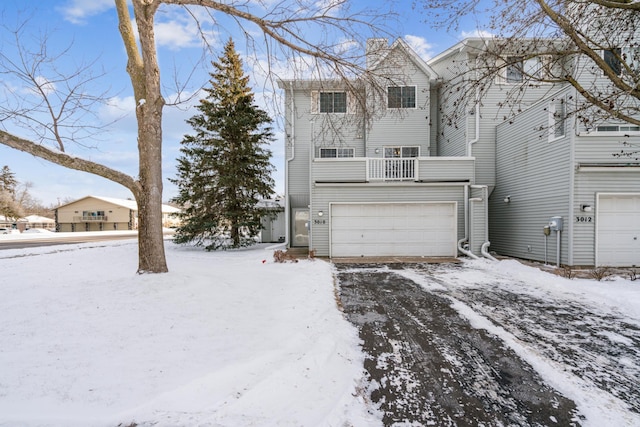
{"x": 434, "y": 356}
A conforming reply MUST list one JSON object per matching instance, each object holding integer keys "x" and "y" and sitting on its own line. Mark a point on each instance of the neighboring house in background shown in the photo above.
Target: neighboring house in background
{"x": 273, "y": 225}
{"x": 412, "y": 183}
{"x": 36, "y": 221}
{"x": 358, "y": 188}
{"x": 92, "y": 213}
{"x": 30, "y": 221}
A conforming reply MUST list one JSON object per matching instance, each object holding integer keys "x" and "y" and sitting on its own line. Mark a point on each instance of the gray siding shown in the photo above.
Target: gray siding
{"x": 536, "y": 174}
{"x": 402, "y": 126}
{"x": 589, "y": 181}
{"x": 367, "y": 193}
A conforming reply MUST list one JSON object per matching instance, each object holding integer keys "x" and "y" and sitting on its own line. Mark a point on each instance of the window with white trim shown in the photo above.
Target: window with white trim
{"x": 401, "y": 152}
{"x": 614, "y": 57}
{"x": 557, "y": 118}
{"x": 401, "y": 97}
{"x": 333, "y": 102}
{"x": 329, "y": 153}
{"x": 618, "y": 128}
{"x": 514, "y": 69}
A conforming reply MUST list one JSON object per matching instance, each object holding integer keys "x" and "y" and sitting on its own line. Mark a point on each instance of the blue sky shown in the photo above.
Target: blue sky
{"x": 90, "y": 27}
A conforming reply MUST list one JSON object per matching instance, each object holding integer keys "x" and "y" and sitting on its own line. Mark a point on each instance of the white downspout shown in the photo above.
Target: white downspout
{"x": 292, "y": 139}
{"x": 462, "y": 241}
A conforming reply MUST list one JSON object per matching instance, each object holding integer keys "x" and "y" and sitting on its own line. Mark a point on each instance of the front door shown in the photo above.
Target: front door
{"x": 300, "y": 228}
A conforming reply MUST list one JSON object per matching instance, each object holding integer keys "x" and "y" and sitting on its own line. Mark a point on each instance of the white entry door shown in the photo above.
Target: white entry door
{"x": 393, "y": 229}
{"x": 618, "y": 230}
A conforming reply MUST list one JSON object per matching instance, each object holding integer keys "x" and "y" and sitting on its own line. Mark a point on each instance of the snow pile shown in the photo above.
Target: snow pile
{"x": 224, "y": 339}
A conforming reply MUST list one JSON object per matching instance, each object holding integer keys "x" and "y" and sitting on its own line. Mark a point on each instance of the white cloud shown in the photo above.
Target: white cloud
{"x": 420, "y": 46}
{"x": 45, "y": 86}
{"x": 177, "y": 29}
{"x": 76, "y": 11}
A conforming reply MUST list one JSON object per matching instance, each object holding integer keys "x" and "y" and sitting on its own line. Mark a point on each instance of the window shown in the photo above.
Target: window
{"x": 616, "y": 128}
{"x": 328, "y": 153}
{"x": 612, "y": 58}
{"x": 401, "y": 97}
{"x": 557, "y": 118}
{"x": 333, "y": 102}
{"x": 513, "y": 71}
{"x": 401, "y": 152}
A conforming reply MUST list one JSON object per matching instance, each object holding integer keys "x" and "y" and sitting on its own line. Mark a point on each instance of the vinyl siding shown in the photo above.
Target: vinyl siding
{"x": 598, "y": 149}
{"x": 403, "y": 126}
{"x": 536, "y": 174}
{"x": 368, "y": 193}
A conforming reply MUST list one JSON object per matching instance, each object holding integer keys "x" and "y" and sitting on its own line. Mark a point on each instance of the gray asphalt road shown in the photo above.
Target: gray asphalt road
{"x": 66, "y": 240}
{"x": 428, "y": 366}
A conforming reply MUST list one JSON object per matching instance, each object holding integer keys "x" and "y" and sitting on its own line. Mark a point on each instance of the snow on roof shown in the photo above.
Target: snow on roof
{"x": 127, "y": 203}
{"x": 38, "y": 218}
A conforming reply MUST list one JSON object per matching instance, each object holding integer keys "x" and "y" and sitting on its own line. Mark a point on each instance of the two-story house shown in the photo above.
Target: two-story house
{"x": 410, "y": 180}
{"x": 368, "y": 182}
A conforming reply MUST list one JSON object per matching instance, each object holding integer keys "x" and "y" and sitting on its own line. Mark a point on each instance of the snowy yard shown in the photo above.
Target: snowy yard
{"x": 223, "y": 339}
{"x": 234, "y": 339}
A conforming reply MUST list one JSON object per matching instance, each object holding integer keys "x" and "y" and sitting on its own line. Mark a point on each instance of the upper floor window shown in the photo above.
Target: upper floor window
{"x": 513, "y": 70}
{"x": 328, "y": 153}
{"x": 614, "y": 59}
{"x": 401, "y": 97}
{"x": 618, "y": 128}
{"x": 333, "y": 102}
{"x": 557, "y": 118}
{"x": 398, "y": 152}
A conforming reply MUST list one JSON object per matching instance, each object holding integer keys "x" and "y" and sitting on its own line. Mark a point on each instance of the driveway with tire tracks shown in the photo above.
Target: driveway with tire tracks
{"x": 441, "y": 352}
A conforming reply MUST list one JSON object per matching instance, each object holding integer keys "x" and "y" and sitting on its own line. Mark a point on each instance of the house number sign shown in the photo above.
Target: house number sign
{"x": 584, "y": 219}
{"x": 319, "y": 221}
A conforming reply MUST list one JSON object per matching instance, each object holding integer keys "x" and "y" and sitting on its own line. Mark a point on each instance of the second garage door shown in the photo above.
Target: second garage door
{"x": 618, "y": 236}
{"x": 394, "y": 229}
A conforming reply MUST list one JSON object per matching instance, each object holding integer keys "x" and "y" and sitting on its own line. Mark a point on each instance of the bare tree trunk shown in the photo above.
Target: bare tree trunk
{"x": 145, "y": 78}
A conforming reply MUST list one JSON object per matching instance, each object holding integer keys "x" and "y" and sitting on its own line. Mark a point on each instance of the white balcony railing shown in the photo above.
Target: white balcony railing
{"x": 90, "y": 218}
{"x": 393, "y": 169}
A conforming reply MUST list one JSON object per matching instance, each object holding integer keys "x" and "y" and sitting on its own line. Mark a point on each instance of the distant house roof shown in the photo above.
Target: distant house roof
{"x": 271, "y": 203}
{"x": 127, "y": 203}
{"x": 39, "y": 219}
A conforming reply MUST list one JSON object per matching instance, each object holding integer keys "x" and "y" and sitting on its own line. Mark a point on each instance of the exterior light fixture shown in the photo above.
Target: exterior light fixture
{"x": 586, "y": 208}
{"x": 507, "y": 199}
{"x": 320, "y": 213}
{"x": 377, "y": 151}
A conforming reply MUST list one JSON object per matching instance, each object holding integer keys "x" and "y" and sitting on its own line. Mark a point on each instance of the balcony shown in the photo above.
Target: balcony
{"x": 90, "y": 218}
{"x": 417, "y": 169}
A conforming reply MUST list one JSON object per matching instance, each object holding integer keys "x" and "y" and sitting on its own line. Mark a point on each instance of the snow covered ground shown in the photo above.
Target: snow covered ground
{"x": 234, "y": 339}
{"x": 223, "y": 339}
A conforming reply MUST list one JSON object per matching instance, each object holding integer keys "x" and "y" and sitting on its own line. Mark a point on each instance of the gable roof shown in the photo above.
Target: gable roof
{"x": 126, "y": 203}
{"x": 415, "y": 58}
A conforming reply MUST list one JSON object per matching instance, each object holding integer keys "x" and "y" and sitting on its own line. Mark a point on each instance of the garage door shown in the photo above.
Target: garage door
{"x": 394, "y": 229}
{"x": 618, "y": 235}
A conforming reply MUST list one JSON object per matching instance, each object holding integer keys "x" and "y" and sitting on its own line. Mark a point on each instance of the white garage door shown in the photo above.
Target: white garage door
{"x": 618, "y": 235}
{"x": 394, "y": 229}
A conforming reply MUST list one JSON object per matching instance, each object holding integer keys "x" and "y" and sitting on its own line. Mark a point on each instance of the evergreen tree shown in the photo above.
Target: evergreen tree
{"x": 224, "y": 168}
{"x": 9, "y": 206}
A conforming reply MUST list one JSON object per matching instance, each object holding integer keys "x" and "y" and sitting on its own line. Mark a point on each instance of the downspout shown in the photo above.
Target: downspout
{"x": 465, "y": 239}
{"x": 484, "y": 249}
{"x": 312, "y": 153}
{"x": 292, "y": 141}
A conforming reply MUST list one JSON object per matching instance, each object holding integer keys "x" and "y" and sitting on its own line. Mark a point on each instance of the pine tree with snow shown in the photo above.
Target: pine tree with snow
{"x": 224, "y": 168}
